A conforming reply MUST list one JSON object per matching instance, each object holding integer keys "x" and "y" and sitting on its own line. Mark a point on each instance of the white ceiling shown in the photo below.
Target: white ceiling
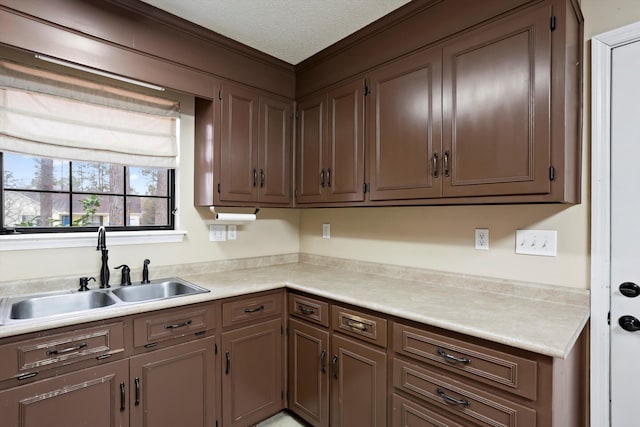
{"x": 291, "y": 30}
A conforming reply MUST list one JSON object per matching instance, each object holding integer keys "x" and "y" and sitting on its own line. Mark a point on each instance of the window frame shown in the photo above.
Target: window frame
{"x": 170, "y": 200}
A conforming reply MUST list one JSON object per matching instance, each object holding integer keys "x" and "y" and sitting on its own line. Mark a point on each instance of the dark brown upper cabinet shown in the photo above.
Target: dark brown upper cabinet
{"x": 496, "y": 108}
{"x": 405, "y": 128}
{"x": 330, "y": 142}
{"x": 255, "y": 147}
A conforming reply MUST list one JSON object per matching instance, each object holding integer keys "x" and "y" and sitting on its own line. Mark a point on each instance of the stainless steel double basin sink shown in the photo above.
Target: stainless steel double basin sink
{"x": 58, "y": 304}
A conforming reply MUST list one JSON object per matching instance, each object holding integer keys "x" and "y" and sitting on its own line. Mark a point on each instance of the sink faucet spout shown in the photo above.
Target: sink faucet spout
{"x": 102, "y": 246}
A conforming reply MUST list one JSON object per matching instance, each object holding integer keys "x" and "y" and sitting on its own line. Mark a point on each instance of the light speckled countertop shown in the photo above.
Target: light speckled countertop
{"x": 539, "y": 318}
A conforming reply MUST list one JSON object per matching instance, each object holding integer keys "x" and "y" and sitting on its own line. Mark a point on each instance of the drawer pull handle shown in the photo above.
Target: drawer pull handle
{"x": 27, "y": 376}
{"x": 305, "y": 310}
{"x": 104, "y": 356}
{"x": 334, "y": 366}
{"x": 452, "y": 400}
{"x": 123, "y": 398}
{"x": 323, "y": 355}
{"x": 56, "y": 352}
{"x": 178, "y": 325}
{"x": 357, "y": 325}
{"x": 137, "y": 383}
{"x": 254, "y": 310}
{"x": 228, "y": 368}
{"x": 452, "y": 358}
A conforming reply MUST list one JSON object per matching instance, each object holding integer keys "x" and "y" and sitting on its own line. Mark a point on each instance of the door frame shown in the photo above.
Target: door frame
{"x": 602, "y": 46}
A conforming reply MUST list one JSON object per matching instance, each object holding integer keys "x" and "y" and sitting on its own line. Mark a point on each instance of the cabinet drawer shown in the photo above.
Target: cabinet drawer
{"x": 23, "y": 358}
{"x": 309, "y": 309}
{"x": 251, "y": 308}
{"x": 172, "y": 324}
{"x": 407, "y": 413}
{"x": 459, "y": 398}
{"x": 367, "y": 327}
{"x": 506, "y": 371}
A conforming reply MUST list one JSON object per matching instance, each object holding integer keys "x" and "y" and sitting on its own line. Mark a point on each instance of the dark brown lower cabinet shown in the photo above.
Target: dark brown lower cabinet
{"x": 359, "y": 384}
{"x": 96, "y": 397}
{"x": 308, "y": 374}
{"x": 252, "y": 373}
{"x": 409, "y": 414}
{"x": 174, "y": 386}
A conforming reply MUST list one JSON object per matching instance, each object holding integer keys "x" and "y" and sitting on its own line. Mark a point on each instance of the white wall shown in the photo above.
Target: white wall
{"x": 276, "y": 232}
{"x": 442, "y": 238}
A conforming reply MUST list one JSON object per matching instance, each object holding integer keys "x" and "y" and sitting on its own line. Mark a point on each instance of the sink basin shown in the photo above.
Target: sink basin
{"x": 51, "y": 305}
{"x": 158, "y": 290}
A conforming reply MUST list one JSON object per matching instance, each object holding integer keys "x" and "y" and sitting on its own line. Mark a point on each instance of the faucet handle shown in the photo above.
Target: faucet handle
{"x": 84, "y": 283}
{"x": 126, "y": 275}
{"x": 145, "y": 271}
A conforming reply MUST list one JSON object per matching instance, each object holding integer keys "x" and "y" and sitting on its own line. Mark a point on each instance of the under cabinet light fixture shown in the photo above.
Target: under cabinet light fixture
{"x": 98, "y": 72}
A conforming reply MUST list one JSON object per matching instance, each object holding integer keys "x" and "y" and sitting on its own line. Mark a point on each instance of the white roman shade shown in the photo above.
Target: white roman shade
{"x": 56, "y": 115}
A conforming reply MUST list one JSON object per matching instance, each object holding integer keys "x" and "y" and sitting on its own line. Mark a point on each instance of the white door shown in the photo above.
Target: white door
{"x": 625, "y": 236}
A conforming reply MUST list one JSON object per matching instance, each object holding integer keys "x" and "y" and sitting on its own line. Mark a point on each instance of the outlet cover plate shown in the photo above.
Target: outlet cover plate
{"x": 482, "y": 239}
{"x": 326, "y": 231}
{"x": 537, "y": 242}
{"x": 217, "y": 233}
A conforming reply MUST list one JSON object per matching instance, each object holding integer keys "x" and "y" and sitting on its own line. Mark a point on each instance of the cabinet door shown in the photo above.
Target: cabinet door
{"x": 174, "y": 386}
{"x": 496, "y": 94}
{"x": 344, "y": 165}
{"x": 252, "y": 373}
{"x": 308, "y": 373}
{"x": 405, "y": 128}
{"x": 239, "y": 145}
{"x": 359, "y": 384}
{"x": 95, "y": 397}
{"x": 310, "y": 145}
{"x": 275, "y": 151}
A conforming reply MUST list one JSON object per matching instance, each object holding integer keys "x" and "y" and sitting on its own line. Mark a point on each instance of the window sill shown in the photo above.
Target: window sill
{"x": 77, "y": 240}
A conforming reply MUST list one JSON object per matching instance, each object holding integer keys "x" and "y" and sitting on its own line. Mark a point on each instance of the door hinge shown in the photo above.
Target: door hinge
{"x": 218, "y": 188}
{"x": 552, "y": 24}
{"x": 552, "y": 173}
{"x": 215, "y": 348}
{"x": 366, "y": 90}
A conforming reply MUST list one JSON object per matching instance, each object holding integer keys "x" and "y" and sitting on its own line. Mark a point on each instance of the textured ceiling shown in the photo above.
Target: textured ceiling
{"x": 291, "y": 30}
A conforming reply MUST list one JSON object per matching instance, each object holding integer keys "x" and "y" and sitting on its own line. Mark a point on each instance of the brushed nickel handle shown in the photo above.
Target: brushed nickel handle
{"x": 435, "y": 165}
{"x": 445, "y": 162}
{"x": 178, "y": 325}
{"x": 452, "y": 400}
{"x": 56, "y": 352}
{"x": 254, "y": 310}
{"x": 357, "y": 325}
{"x": 322, "y": 178}
{"x": 323, "y": 355}
{"x": 452, "y": 358}
{"x": 255, "y": 177}
{"x": 262, "y": 177}
{"x": 305, "y": 310}
{"x": 328, "y": 177}
{"x": 228, "y": 367}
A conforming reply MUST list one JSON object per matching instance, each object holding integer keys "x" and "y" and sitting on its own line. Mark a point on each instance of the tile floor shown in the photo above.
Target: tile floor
{"x": 282, "y": 419}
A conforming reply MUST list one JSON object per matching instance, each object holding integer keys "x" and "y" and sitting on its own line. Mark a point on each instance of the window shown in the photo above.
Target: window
{"x": 77, "y": 153}
{"x": 46, "y": 195}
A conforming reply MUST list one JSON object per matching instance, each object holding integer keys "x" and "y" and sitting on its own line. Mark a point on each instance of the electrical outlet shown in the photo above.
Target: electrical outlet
{"x": 232, "y": 232}
{"x": 482, "y": 239}
{"x": 537, "y": 242}
{"x": 217, "y": 233}
{"x": 326, "y": 231}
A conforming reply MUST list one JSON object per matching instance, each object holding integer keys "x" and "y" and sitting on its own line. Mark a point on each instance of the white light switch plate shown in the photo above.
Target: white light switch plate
{"x": 217, "y": 233}
{"x": 537, "y": 242}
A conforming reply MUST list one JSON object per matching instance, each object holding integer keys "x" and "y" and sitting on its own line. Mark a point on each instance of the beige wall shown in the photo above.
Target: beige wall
{"x": 441, "y": 238}
{"x": 275, "y": 233}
